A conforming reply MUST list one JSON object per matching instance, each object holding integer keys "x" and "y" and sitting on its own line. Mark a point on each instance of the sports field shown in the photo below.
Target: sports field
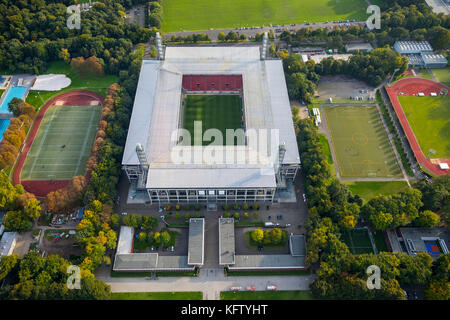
{"x": 358, "y": 241}
{"x": 215, "y": 111}
{"x": 360, "y": 142}
{"x": 429, "y": 118}
{"x": 62, "y": 143}
{"x": 182, "y": 15}
{"x": 442, "y": 75}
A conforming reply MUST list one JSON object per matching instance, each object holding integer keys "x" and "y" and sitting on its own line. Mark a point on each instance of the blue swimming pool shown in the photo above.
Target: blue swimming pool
{"x": 14, "y": 92}
{"x": 4, "y": 123}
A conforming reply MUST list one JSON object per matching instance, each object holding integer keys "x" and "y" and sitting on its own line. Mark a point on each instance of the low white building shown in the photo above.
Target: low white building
{"x": 8, "y": 243}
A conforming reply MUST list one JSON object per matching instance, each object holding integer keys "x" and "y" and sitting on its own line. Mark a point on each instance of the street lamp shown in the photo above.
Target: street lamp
{"x": 393, "y": 75}
{"x": 430, "y": 152}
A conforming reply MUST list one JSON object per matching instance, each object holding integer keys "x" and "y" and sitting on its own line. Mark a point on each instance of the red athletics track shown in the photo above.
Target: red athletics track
{"x": 411, "y": 87}
{"x": 40, "y": 188}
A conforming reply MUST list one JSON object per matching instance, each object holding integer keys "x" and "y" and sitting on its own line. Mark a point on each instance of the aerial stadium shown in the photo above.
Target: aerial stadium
{"x": 210, "y": 124}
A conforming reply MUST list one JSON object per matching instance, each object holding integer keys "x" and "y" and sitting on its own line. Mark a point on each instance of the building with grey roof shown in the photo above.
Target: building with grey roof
{"x": 229, "y": 259}
{"x": 407, "y": 47}
{"x": 226, "y": 242}
{"x": 196, "y": 245}
{"x": 153, "y": 145}
{"x": 127, "y": 261}
{"x": 420, "y": 54}
{"x": 434, "y": 241}
{"x": 8, "y": 243}
{"x": 361, "y": 47}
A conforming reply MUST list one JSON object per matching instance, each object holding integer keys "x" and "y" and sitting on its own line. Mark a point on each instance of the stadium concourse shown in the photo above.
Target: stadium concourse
{"x": 41, "y": 187}
{"x": 417, "y": 87}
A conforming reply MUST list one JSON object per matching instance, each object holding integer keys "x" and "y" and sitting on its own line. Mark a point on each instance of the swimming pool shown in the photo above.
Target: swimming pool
{"x": 4, "y": 123}
{"x": 13, "y": 92}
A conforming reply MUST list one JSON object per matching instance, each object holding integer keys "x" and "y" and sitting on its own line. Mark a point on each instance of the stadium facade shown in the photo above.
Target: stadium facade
{"x": 159, "y": 164}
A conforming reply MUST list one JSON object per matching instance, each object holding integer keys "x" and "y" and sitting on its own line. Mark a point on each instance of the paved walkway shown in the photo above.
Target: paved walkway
{"x": 210, "y": 281}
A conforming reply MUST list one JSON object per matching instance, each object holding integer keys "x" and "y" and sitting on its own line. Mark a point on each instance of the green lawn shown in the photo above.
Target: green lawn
{"x": 62, "y": 144}
{"x": 326, "y": 149}
{"x": 91, "y": 83}
{"x": 266, "y": 295}
{"x": 443, "y": 75}
{"x": 360, "y": 142}
{"x": 429, "y": 118}
{"x": 369, "y": 189}
{"x": 195, "y": 295}
{"x": 215, "y": 111}
{"x": 205, "y": 14}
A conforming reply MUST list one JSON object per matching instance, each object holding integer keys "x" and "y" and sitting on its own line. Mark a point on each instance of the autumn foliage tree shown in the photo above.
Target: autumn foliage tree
{"x": 89, "y": 66}
{"x": 63, "y": 199}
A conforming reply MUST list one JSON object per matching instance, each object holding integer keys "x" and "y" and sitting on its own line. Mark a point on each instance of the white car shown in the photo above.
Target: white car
{"x": 124, "y": 213}
{"x": 273, "y": 287}
{"x": 235, "y": 289}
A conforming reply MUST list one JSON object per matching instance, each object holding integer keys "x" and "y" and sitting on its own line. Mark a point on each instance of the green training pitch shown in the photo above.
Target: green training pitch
{"x": 182, "y": 15}
{"x": 358, "y": 241}
{"x": 215, "y": 111}
{"x": 429, "y": 118}
{"x": 62, "y": 144}
{"x": 360, "y": 142}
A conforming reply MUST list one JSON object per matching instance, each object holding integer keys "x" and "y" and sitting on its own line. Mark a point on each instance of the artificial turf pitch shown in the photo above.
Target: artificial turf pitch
{"x": 179, "y": 15}
{"x": 429, "y": 118}
{"x": 360, "y": 142}
{"x": 215, "y": 112}
{"x": 62, "y": 144}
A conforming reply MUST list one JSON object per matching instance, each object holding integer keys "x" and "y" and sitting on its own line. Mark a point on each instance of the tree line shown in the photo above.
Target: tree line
{"x": 14, "y": 136}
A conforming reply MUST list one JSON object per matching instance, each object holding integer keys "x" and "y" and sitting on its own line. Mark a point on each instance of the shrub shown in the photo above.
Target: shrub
{"x": 187, "y": 216}
{"x": 197, "y": 206}
{"x": 177, "y": 207}
{"x": 226, "y": 215}
{"x": 197, "y": 215}
{"x": 226, "y": 206}
{"x": 236, "y": 206}
{"x": 245, "y": 206}
{"x": 236, "y": 215}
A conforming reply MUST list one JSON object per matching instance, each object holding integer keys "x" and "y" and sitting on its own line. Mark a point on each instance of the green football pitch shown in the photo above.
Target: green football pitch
{"x": 429, "y": 118}
{"x": 62, "y": 144}
{"x": 360, "y": 142}
{"x": 182, "y": 15}
{"x": 215, "y": 112}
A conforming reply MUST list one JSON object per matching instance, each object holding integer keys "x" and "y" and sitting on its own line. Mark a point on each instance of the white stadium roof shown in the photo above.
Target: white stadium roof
{"x": 156, "y": 114}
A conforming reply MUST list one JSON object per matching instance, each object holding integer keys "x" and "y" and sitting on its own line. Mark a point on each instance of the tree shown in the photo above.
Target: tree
{"x": 257, "y": 235}
{"x": 236, "y": 215}
{"x": 221, "y": 36}
{"x": 7, "y": 264}
{"x": 414, "y": 270}
{"x": 427, "y": 219}
{"x": 381, "y": 221}
{"x": 276, "y": 235}
{"x": 165, "y": 237}
{"x": 438, "y": 290}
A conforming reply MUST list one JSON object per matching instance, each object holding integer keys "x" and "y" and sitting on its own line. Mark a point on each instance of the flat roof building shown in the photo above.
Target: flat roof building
{"x": 226, "y": 242}
{"x": 153, "y": 142}
{"x": 7, "y": 243}
{"x": 406, "y": 47}
{"x": 420, "y": 54}
{"x": 228, "y": 258}
{"x": 196, "y": 244}
{"x": 355, "y": 47}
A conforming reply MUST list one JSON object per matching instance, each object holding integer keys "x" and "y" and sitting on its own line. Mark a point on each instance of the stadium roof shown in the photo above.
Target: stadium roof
{"x": 196, "y": 244}
{"x": 156, "y": 114}
{"x": 226, "y": 241}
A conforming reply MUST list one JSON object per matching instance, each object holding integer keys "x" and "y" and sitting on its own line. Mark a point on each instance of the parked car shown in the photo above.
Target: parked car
{"x": 172, "y": 249}
{"x": 288, "y": 225}
{"x": 272, "y": 287}
{"x": 124, "y": 213}
{"x": 235, "y": 289}
{"x": 252, "y": 288}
